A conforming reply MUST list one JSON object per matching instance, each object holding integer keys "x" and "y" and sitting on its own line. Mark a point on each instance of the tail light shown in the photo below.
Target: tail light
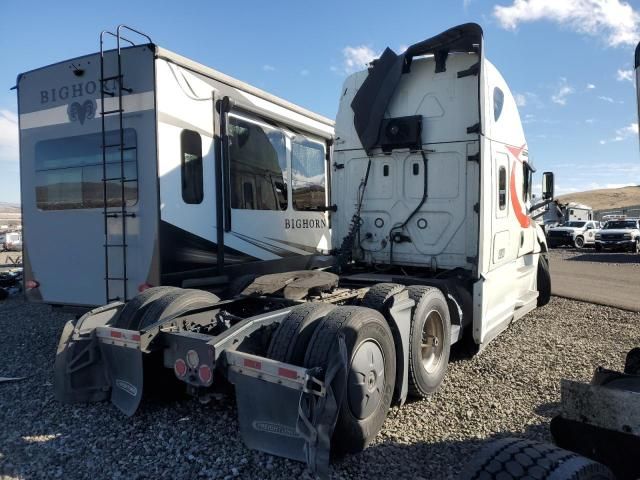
{"x": 205, "y": 374}
{"x": 31, "y": 284}
{"x": 180, "y": 367}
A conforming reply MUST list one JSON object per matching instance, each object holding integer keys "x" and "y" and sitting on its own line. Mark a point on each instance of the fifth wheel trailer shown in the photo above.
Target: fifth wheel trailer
{"x": 431, "y": 243}
{"x": 115, "y": 203}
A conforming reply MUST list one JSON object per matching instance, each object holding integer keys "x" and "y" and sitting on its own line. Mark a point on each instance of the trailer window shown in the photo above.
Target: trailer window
{"x": 308, "y": 174}
{"x": 258, "y": 166}
{"x": 191, "y": 166}
{"x": 502, "y": 188}
{"x": 69, "y": 171}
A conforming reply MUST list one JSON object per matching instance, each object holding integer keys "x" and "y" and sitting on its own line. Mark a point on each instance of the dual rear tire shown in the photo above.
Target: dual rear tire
{"x": 307, "y": 337}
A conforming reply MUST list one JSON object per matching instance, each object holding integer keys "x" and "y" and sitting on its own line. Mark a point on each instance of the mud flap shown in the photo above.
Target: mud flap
{"x": 285, "y": 410}
{"x": 317, "y": 416}
{"x": 94, "y": 362}
{"x": 123, "y": 362}
{"x": 79, "y": 374}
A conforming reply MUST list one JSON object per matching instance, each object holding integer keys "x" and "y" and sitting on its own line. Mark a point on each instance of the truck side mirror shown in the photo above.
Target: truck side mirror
{"x": 547, "y": 186}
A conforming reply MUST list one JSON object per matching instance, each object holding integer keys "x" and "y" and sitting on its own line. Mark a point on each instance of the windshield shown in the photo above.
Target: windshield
{"x": 574, "y": 224}
{"x": 620, "y": 224}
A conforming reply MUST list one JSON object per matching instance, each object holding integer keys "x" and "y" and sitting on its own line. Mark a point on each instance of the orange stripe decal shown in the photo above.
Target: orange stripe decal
{"x": 523, "y": 218}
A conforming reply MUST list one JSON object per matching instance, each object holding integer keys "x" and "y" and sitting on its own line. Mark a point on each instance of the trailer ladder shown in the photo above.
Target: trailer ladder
{"x": 117, "y": 211}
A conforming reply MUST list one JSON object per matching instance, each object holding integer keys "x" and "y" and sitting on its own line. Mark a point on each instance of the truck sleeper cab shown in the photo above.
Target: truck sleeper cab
{"x": 431, "y": 242}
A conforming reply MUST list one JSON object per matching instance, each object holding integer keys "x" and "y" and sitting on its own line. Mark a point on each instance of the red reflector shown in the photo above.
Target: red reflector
{"x": 116, "y": 334}
{"x": 143, "y": 286}
{"x": 204, "y": 372}
{"x": 252, "y": 364}
{"x": 31, "y": 284}
{"x": 180, "y": 367}
{"x": 135, "y": 337}
{"x": 285, "y": 372}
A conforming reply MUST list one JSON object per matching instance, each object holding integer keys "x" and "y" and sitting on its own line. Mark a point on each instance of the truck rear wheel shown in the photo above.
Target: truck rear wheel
{"x": 379, "y": 294}
{"x": 171, "y": 303}
{"x": 543, "y": 280}
{"x": 430, "y": 341}
{"x": 135, "y": 308}
{"x": 289, "y": 341}
{"x": 371, "y": 376}
{"x": 579, "y": 241}
{"x": 513, "y": 458}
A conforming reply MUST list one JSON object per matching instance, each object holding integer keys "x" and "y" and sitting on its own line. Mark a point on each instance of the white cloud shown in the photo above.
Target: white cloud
{"x": 304, "y": 72}
{"x": 8, "y": 136}
{"x": 268, "y": 68}
{"x": 564, "y": 90}
{"x": 590, "y": 86}
{"x": 357, "y": 58}
{"x": 623, "y": 133}
{"x": 606, "y": 99}
{"x": 615, "y": 20}
{"x": 521, "y": 100}
{"x": 590, "y": 120}
{"x": 624, "y": 75}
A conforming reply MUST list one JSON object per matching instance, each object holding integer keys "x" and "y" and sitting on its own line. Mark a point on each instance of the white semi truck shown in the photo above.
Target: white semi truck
{"x": 430, "y": 244}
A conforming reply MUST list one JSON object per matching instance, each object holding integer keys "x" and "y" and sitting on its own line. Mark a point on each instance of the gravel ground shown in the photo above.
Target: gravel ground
{"x": 512, "y": 388}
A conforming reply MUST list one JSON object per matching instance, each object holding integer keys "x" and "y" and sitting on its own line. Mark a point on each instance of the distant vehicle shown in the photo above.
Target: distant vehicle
{"x": 560, "y": 213}
{"x": 619, "y": 235}
{"x": 575, "y": 234}
{"x": 12, "y": 241}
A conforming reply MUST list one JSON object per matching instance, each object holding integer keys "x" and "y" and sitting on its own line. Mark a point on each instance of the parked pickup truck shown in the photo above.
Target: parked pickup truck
{"x": 619, "y": 235}
{"x": 575, "y": 234}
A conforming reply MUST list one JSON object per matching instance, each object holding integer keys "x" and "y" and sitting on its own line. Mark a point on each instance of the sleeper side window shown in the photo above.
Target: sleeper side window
{"x": 498, "y": 103}
{"x": 258, "y": 165}
{"x": 191, "y": 166}
{"x": 308, "y": 174}
{"x": 502, "y": 188}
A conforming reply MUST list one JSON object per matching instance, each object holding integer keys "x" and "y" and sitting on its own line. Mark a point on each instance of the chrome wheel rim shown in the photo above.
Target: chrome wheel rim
{"x": 432, "y": 342}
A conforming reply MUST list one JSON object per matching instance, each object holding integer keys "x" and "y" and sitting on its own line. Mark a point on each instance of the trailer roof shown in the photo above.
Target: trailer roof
{"x": 216, "y": 75}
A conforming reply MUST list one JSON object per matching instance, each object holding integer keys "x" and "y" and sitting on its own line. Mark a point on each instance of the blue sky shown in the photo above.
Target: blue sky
{"x": 569, "y": 62}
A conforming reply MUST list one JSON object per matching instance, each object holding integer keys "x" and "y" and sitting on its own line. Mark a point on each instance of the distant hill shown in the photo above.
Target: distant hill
{"x": 606, "y": 198}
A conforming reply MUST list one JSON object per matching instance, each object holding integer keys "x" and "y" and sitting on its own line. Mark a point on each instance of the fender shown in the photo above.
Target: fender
{"x": 542, "y": 240}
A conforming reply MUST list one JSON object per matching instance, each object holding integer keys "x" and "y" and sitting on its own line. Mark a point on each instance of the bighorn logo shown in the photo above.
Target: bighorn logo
{"x": 275, "y": 428}
{"x": 300, "y": 223}
{"x": 79, "y": 112}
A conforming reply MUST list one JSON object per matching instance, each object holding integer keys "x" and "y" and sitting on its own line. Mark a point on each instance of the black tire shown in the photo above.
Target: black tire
{"x": 513, "y": 458}
{"x": 379, "y": 294}
{"x": 636, "y": 246}
{"x": 598, "y": 247}
{"x": 431, "y": 306}
{"x": 578, "y": 242}
{"x": 543, "y": 280}
{"x": 362, "y": 328}
{"x": 172, "y": 303}
{"x": 289, "y": 341}
{"x": 135, "y": 308}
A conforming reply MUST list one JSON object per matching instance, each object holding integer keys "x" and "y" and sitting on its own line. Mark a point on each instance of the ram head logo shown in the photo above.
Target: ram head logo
{"x": 79, "y": 112}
